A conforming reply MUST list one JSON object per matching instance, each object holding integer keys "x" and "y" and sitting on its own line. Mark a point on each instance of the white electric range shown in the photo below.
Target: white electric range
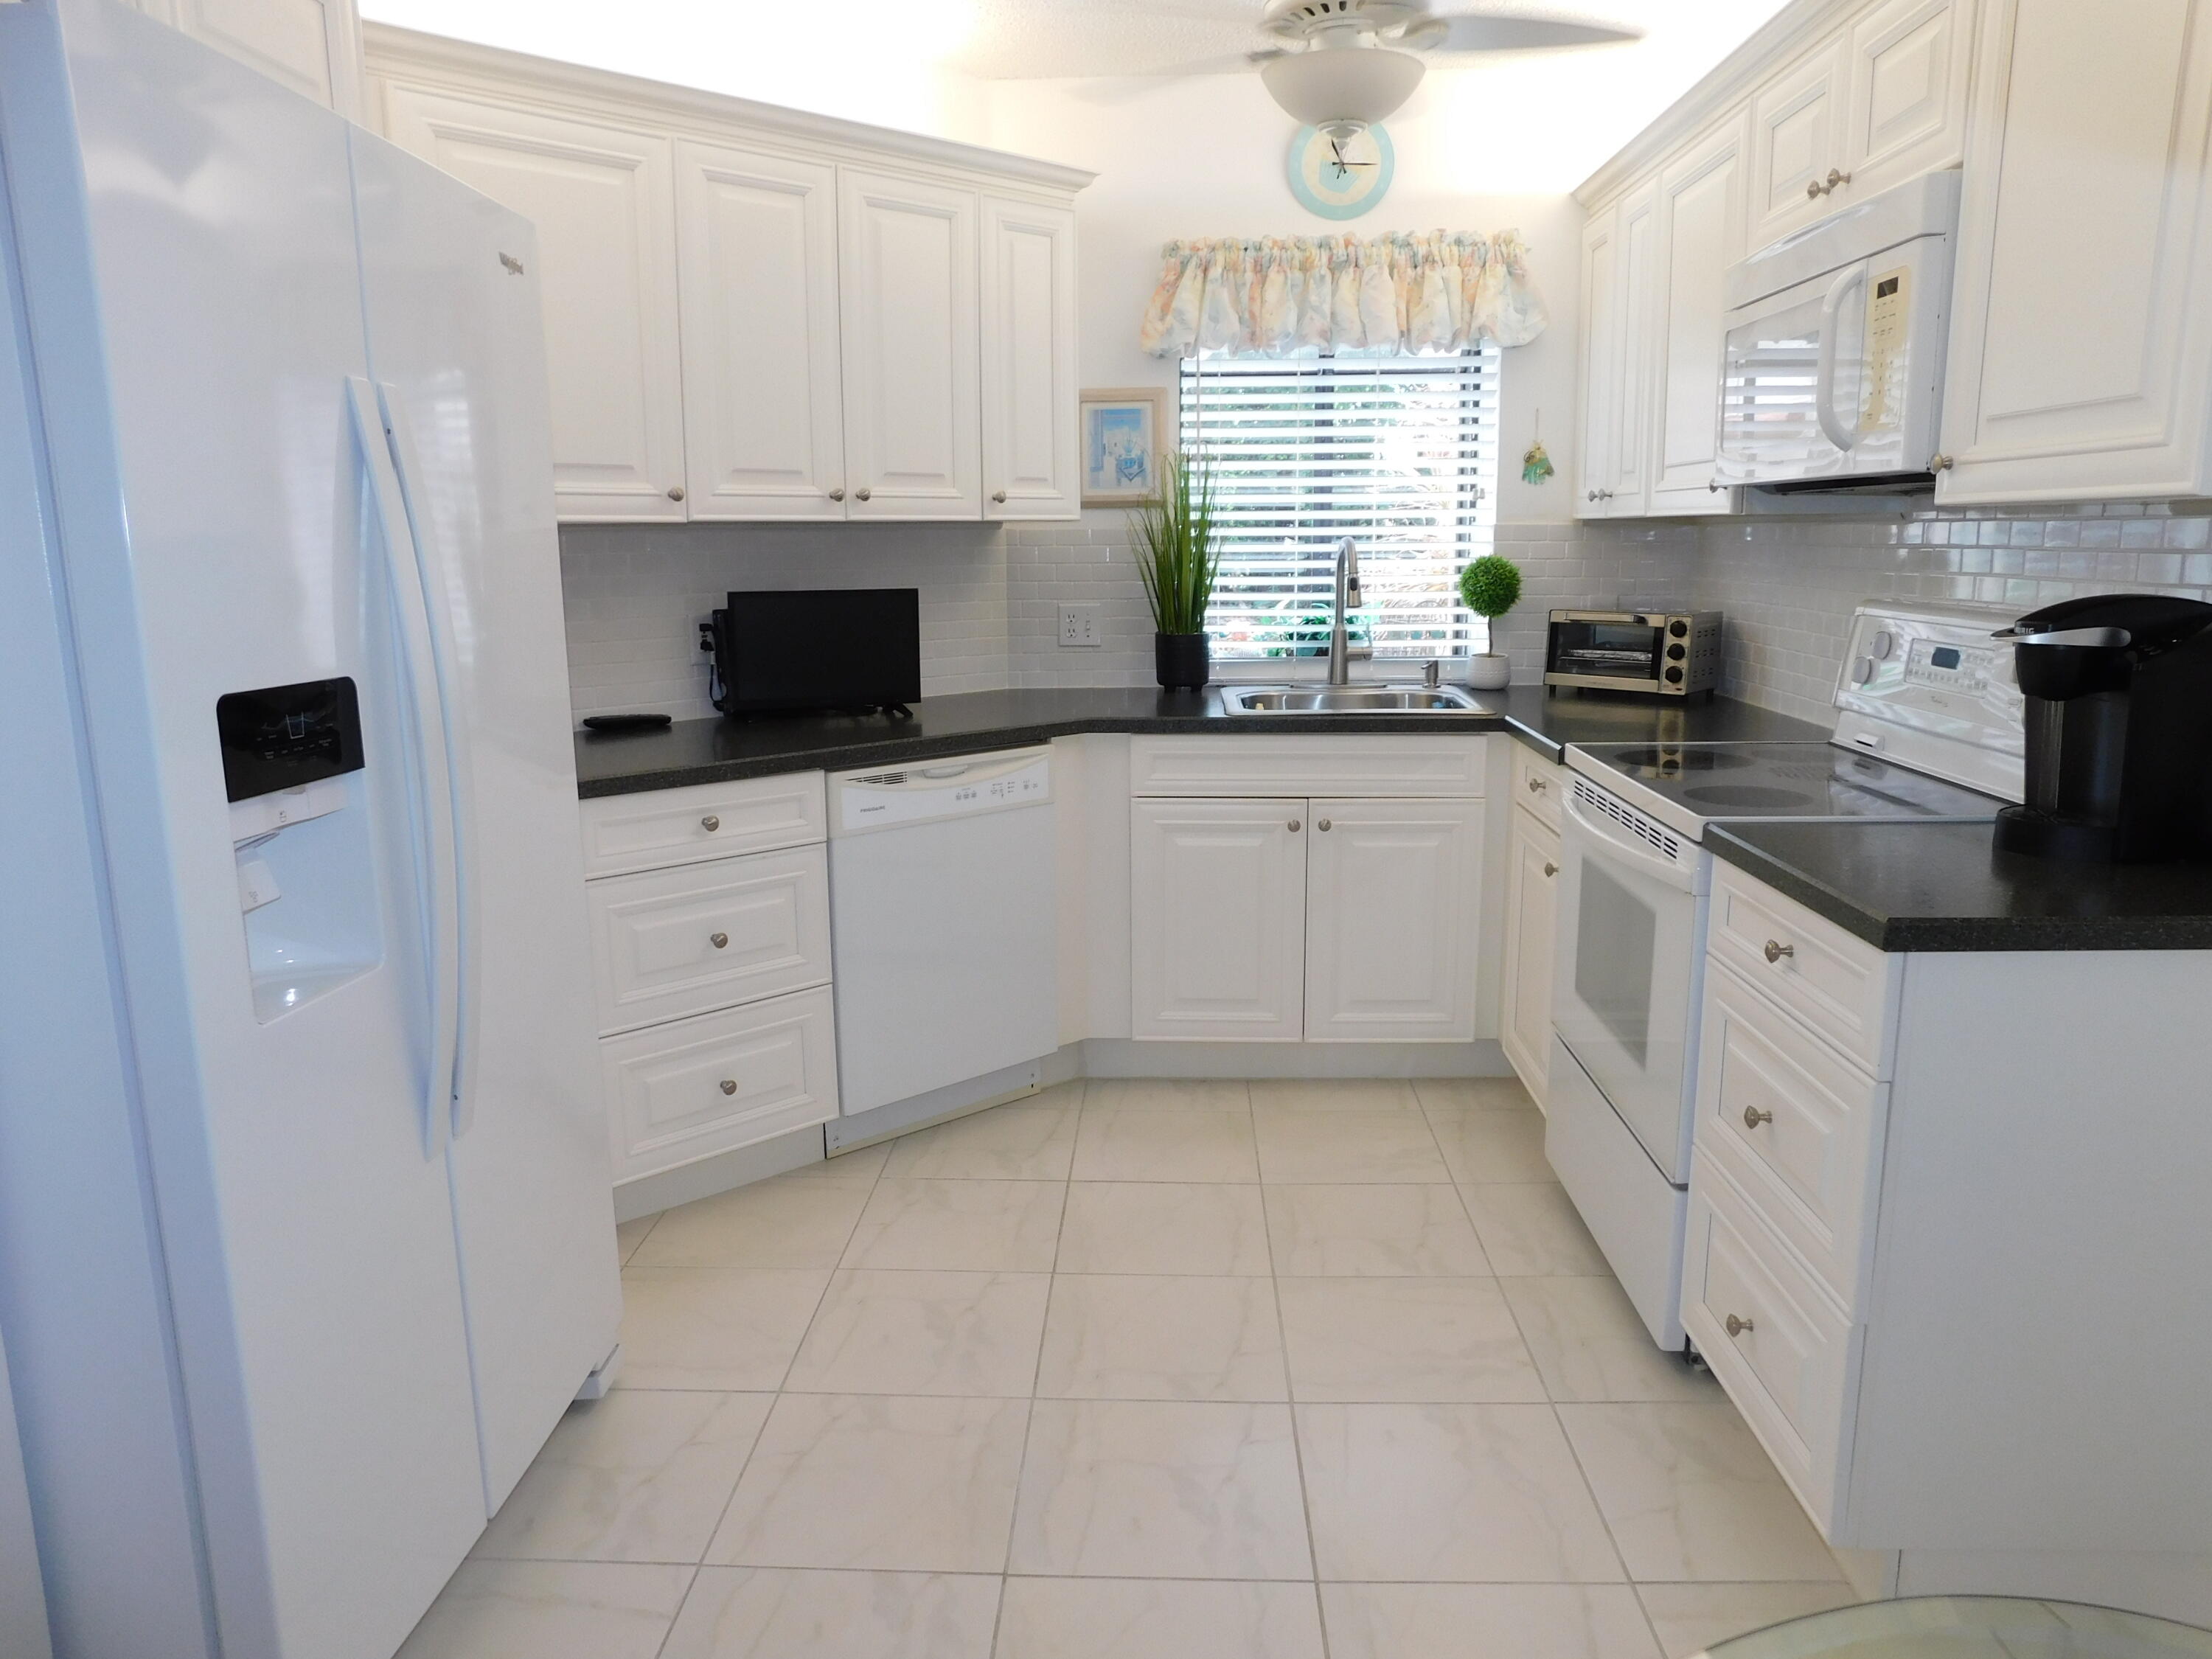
{"x": 1928, "y": 726}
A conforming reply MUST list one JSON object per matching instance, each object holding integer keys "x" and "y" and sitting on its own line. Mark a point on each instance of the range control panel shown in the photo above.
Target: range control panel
{"x": 1927, "y": 685}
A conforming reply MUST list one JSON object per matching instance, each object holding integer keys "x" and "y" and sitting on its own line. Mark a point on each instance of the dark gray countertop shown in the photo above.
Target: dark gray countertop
{"x": 1946, "y": 887}
{"x": 717, "y": 751}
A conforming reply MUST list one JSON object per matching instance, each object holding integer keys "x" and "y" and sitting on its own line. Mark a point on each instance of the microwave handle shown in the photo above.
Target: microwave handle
{"x": 1824, "y": 375}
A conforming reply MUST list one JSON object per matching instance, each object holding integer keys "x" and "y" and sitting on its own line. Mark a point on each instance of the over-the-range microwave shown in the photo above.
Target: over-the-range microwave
{"x": 1832, "y": 375}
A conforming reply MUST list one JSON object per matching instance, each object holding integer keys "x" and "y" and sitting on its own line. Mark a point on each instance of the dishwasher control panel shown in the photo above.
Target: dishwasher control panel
{"x": 958, "y": 786}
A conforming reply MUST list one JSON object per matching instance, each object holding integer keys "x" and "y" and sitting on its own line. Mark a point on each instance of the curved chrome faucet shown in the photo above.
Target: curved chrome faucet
{"x": 1347, "y": 595}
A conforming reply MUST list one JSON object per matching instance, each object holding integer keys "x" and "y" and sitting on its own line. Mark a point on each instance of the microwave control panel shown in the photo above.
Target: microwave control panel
{"x": 1888, "y": 317}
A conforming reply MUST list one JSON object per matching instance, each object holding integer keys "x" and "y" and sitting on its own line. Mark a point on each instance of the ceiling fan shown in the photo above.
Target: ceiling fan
{"x": 1345, "y": 65}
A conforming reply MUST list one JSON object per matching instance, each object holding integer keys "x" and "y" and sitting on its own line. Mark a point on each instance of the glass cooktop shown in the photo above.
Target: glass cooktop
{"x": 1708, "y": 782}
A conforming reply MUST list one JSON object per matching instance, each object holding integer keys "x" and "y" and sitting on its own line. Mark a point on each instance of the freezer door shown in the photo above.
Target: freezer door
{"x": 194, "y": 303}
{"x": 457, "y": 349}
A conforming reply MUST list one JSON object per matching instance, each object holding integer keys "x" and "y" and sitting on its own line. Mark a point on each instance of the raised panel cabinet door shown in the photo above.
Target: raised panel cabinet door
{"x": 1907, "y": 70}
{"x": 1029, "y": 395}
{"x": 1628, "y": 475}
{"x": 605, "y": 205}
{"x": 1394, "y": 921}
{"x": 763, "y": 389}
{"x": 1701, "y": 232}
{"x": 2058, "y": 391}
{"x": 1797, "y": 141}
{"x": 1601, "y": 359}
{"x": 907, "y": 260}
{"x": 1217, "y": 907}
{"x": 1532, "y": 908}
{"x": 312, "y": 47}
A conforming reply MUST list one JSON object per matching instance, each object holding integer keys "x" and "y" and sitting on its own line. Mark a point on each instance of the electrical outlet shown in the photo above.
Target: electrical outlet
{"x": 1079, "y": 625}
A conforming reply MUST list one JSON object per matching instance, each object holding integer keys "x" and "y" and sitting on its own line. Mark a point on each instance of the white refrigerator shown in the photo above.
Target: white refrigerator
{"x": 306, "y": 1230}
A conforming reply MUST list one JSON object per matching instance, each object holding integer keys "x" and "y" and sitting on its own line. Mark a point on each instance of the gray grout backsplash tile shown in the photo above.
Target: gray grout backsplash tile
{"x": 991, "y": 593}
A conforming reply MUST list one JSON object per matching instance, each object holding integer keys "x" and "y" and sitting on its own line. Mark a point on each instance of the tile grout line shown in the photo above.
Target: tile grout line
{"x": 1291, "y": 1410}
{"x": 1036, "y": 1370}
{"x": 776, "y": 1399}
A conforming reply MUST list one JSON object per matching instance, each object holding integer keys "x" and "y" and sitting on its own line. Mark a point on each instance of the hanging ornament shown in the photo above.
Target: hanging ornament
{"x": 1536, "y": 465}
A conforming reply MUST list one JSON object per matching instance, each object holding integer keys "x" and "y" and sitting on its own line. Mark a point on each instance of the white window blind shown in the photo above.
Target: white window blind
{"x": 1399, "y": 453}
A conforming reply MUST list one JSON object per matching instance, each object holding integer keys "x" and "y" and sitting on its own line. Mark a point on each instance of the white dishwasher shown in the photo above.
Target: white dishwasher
{"x": 943, "y": 921}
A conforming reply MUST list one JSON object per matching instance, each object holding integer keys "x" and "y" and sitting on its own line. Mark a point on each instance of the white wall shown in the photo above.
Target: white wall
{"x": 1205, "y": 157}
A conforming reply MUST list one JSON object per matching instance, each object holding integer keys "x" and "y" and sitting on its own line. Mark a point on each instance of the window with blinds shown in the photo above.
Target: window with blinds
{"x": 1399, "y": 453}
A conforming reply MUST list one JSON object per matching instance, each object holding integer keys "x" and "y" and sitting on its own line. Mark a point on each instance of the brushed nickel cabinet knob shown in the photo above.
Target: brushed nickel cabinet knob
{"x": 676, "y": 495}
{"x": 863, "y": 493}
{"x": 1550, "y": 869}
{"x": 1293, "y": 826}
{"x": 710, "y": 823}
{"x": 1321, "y": 824}
{"x": 1776, "y": 950}
{"x": 838, "y": 494}
{"x": 999, "y": 497}
{"x": 1753, "y": 1117}
{"x": 720, "y": 941}
{"x": 729, "y": 1085}
{"x": 1735, "y": 1327}
{"x": 1536, "y": 786}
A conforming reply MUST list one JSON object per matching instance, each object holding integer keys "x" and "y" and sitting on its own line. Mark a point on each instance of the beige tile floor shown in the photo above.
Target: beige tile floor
{"x": 1143, "y": 1370}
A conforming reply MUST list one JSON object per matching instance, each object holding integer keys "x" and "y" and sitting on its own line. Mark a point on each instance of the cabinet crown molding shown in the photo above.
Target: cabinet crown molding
{"x": 1791, "y": 30}
{"x": 410, "y": 55}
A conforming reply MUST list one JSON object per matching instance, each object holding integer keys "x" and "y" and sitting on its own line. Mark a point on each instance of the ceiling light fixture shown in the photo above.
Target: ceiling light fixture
{"x": 1344, "y": 79}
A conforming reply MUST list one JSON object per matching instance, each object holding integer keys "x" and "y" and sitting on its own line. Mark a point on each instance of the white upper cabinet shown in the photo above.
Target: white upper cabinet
{"x": 2081, "y": 332}
{"x": 763, "y": 399}
{"x": 312, "y": 47}
{"x": 1701, "y": 231}
{"x": 1620, "y": 257}
{"x": 912, "y": 298}
{"x": 1797, "y": 141}
{"x": 1393, "y": 913}
{"x": 762, "y": 314}
{"x": 604, "y": 202}
{"x": 1908, "y": 63}
{"x": 1031, "y": 454}
{"x": 1601, "y": 356}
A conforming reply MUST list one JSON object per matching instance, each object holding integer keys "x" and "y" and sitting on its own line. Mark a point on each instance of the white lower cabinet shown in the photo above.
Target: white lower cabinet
{"x": 1532, "y": 908}
{"x": 681, "y": 1091}
{"x": 1217, "y": 920}
{"x": 713, "y": 966}
{"x": 1391, "y": 889}
{"x": 1311, "y": 918}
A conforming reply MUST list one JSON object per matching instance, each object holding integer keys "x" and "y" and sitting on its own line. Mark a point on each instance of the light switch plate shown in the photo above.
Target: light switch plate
{"x": 1079, "y": 625}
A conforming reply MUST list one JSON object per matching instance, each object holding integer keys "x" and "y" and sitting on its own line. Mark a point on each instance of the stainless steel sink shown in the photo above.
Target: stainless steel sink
{"x": 1349, "y": 700}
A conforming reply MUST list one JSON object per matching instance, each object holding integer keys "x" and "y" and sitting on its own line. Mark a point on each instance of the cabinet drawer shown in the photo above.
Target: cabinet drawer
{"x": 695, "y": 1087}
{"x": 1840, "y": 986}
{"x": 1372, "y": 765}
{"x": 1799, "y": 1128}
{"x": 657, "y": 828}
{"x": 668, "y": 942}
{"x": 1536, "y": 784}
{"x": 1789, "y": 1366}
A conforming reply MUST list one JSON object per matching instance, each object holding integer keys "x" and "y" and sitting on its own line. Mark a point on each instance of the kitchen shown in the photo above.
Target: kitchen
{"x": 1088, "y": 1163}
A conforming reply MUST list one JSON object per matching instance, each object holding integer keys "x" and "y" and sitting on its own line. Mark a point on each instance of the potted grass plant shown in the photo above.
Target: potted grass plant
{"x": 1490, "y": 587}
{"x": 1178, "y": 555}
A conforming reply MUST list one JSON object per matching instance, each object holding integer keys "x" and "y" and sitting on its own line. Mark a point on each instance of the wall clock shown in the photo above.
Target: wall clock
{"x": 1341, "y": 178}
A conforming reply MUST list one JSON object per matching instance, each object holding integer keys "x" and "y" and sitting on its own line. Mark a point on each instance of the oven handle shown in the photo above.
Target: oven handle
{"x": 1824, "y": 374}
{"x": 1616, "y": 842}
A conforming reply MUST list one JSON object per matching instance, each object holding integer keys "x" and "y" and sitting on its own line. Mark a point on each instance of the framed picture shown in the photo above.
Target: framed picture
{"x": 1124, "y": 431}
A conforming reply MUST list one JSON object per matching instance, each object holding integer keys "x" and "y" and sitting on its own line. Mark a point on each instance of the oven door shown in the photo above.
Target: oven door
{"x": 1631, "y": 956}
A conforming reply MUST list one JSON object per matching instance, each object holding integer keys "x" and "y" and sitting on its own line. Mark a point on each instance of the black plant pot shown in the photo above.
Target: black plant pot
{"x": 1185, "y": 661}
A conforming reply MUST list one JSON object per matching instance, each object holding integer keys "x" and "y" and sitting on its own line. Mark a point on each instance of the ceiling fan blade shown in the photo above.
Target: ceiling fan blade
{"x": 1234, "y": 63}
{"x": 1502, "y": 32}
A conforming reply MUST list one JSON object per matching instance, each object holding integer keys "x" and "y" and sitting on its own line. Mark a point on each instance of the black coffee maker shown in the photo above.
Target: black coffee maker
{"x": 2119, "y": 730}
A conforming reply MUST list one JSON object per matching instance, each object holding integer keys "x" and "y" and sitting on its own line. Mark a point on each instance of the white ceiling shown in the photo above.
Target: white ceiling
{"x": 932, "y": 65}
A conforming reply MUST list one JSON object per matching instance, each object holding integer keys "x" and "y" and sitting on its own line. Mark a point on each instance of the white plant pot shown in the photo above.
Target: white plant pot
{"x": 1491, "y": 671}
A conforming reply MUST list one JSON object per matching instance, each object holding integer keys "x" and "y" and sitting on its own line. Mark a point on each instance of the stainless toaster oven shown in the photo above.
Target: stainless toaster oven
{"x": 1663, "y": 653}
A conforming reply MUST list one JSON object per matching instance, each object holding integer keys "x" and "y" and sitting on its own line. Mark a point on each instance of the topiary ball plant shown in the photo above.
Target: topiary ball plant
{"x": 1490, "y": 587}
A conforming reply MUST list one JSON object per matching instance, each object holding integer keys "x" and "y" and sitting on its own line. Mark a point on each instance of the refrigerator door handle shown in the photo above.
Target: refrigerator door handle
{"x": 431, "y": 791}
{"x": 445, "y": 661}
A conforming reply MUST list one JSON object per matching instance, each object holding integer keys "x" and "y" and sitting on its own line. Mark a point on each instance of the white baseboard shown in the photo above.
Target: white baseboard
{"x": 1104, "y": 1057}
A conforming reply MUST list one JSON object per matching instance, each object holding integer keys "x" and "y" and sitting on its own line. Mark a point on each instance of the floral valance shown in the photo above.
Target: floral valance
{"x": 1293, "y": 296}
